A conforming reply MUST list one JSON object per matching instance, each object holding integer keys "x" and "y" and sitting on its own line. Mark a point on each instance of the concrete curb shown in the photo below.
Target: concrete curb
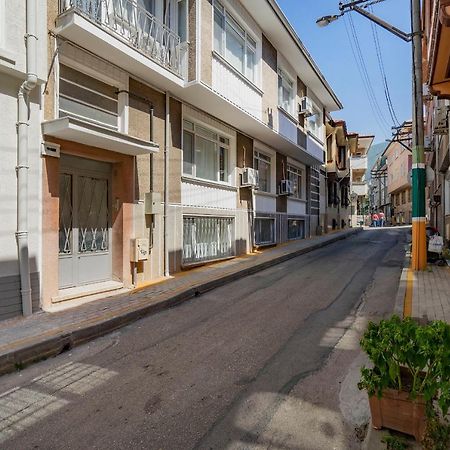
{"x": 400, "y": 299}
{"x": 52, "y": 346}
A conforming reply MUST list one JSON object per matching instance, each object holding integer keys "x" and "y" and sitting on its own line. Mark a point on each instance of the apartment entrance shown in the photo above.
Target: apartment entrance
{"x": 84, "y": 222}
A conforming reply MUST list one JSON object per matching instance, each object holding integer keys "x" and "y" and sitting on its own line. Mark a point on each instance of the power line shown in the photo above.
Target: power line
{"x": 387, "y": 93}
{"x": 366, "y": 74}
{"x": 360, "y": 64}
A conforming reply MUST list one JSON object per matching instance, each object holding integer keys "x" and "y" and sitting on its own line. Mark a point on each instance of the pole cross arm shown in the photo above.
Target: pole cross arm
{"x": 407, "y": 37}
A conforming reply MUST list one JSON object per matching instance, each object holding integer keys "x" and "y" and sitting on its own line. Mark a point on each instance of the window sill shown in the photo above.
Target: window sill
{"x": 265, "y": 194}
{"x": 208, "y": 183}
{"x": 295, "y": 199}
{"x": 288, "y": 115}
{"x": 237, "y": 73}
{"x": 7, "y": 56}
{"x": 313, "y": 136}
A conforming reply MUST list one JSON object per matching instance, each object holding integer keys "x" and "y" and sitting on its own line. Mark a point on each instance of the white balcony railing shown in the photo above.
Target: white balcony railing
{"x": 358, "y": 162}
{"x": 134, "y": 24}
{"x": 359, "y": 188}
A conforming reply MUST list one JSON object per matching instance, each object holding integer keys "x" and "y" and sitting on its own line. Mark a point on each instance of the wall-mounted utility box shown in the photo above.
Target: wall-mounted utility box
{"x": 139, "y": 250}
{"x": 152, "y": 203}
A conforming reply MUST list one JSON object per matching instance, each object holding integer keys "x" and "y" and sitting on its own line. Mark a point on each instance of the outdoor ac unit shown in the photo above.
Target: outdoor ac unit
{"x": 286, "y": 187}
{"x": 305, "y": 107}
{"x": 441, "y": 120}
{"x": 250, "y": 177}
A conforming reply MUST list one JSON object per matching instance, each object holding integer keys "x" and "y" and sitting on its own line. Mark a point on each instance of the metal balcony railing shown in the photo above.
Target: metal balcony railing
{"x": 135, "y": 25}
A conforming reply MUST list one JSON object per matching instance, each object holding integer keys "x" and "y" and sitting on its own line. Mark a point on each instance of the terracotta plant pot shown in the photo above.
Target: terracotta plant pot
{"x": 396, "y": 411}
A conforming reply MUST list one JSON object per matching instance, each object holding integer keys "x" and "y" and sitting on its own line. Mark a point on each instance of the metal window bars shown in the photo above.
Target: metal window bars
{"x": 207, "y": 238}
{"x": 136, "y": 26}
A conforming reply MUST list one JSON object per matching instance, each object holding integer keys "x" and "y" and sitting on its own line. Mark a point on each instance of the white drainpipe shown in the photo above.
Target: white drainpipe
{"x": 22, "y": 157}
{"x": 166, "y": 185}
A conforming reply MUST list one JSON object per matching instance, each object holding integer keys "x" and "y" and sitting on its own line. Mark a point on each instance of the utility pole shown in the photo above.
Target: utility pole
{"x": 419, "y": 245}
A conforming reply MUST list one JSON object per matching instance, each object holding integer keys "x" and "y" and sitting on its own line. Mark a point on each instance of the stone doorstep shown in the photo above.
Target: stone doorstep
{"x": 44, "y": 344}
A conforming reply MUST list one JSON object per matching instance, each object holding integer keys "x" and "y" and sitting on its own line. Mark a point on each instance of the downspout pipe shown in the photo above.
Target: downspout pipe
{"x": 22, "y": 156}
{"x": 166, "y": 185}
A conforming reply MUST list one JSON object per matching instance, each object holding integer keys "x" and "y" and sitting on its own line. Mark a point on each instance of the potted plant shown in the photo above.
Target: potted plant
{"x": 446, "y": 255}
{"x": 411, "y": 369}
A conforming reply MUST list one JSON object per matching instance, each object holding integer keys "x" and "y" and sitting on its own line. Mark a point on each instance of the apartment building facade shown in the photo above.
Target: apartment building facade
{"x": 436, "y": 45}
{"x": 338, "y": 174}
{"x": 172, "y": 133}
{"x": 399, "y": 166}
{"x": 359, "y": 192}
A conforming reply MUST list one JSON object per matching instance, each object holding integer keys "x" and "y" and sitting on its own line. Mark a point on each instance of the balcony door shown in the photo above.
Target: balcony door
{"x": 84, "y": 222}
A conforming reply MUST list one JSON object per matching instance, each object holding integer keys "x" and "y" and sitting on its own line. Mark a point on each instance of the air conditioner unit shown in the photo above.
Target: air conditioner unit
{"x": 305, "y": 107}
{"x": 249, "y": 177}
{"x": 286, "y": 187}
{"x": 441, "y": 120}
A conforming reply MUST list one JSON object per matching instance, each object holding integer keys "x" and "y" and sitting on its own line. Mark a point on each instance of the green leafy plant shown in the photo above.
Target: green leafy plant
{"x": 437, "y": 434}
{"x": 395, "y": 443}
{"x": 446, "y": 253}
{"x": 408, "y": 357}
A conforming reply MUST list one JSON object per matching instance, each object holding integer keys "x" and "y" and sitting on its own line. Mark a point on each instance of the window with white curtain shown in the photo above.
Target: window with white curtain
{"x": 295, "y": 176}
{"x": 205, "y": 153}
{"x": 262, "y": 163}
{"x": 285, "y": 92}
{"x": 233, "y": 42}
{"x": 314, "y": 123}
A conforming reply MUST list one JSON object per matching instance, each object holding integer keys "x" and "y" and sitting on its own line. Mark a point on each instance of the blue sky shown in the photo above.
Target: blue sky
{"x": 330, "y": 48}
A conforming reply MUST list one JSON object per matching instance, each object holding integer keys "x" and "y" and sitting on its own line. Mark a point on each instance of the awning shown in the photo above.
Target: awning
{"x": 86, "y": 133}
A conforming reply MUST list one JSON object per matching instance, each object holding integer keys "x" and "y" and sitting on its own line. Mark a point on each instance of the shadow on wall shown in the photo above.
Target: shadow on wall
{"x": 10, "y": 300}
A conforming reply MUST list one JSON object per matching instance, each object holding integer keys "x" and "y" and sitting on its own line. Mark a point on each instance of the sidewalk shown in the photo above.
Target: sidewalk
{"x": 426, "y": 294}
{"x": 45, "y": 334}
{"x": 422, "y": 295}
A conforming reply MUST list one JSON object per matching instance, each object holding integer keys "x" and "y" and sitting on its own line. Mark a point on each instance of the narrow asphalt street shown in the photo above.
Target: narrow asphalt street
{"x": 269, "y": 361}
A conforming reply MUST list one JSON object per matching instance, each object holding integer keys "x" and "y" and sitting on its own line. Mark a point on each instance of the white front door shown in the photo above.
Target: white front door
{"x": 84, "y": 222}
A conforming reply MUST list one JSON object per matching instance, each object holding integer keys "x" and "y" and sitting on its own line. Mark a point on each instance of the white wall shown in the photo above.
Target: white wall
{"x": 9, "y": 87}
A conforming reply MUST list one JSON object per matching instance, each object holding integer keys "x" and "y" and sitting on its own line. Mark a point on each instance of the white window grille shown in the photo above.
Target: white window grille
{"x": 295, "y": 176}
{"x": 233, "y": 42}
{"x": 262, "y": 163}
{"x": 207, "y": 239}
{"x": 296, "y": 229}
{"x": 205, "y": 153}
{"x": 285, "y": 92}
{"x": 82, "y": 96}
{"x": 264, "y": 231}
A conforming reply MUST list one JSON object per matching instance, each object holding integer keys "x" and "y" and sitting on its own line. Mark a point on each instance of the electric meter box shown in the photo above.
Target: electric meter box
{"x": 139, "y": 250}
{"x": 152, "y": 203}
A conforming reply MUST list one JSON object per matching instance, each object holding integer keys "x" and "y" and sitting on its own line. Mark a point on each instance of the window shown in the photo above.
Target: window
{"x": 295, "y": 176}
{"x": 330, "y": 148}
{"x": 315, "y": 123}
{"x": 264, "y": 231}
{"x": 87, "y": 98}
{"x": 262, "y": 163}
{"x": 234, "y": 43}
{"x": 296, "y": 229}
{"x": 342, "y": 157}
{"x": 285, "y": 92}
{"x": 205, "y": 153}
{"x": 207, "y": 238}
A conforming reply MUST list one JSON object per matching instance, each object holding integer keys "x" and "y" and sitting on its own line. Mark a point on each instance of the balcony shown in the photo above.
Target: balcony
{"x": 359, "y": 188}
{"x": 358, "y": 163}
{"x": 127, "y": 26}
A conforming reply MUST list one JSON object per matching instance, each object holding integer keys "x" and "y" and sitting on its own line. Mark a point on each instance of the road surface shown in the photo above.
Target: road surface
{"x": 269, "y": 361}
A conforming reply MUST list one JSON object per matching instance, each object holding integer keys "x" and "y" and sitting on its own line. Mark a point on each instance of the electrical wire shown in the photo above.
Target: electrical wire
{"x": 387, "y": 92}
{"x": 366, "y": 74}
{"x": 370, "y": 95}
